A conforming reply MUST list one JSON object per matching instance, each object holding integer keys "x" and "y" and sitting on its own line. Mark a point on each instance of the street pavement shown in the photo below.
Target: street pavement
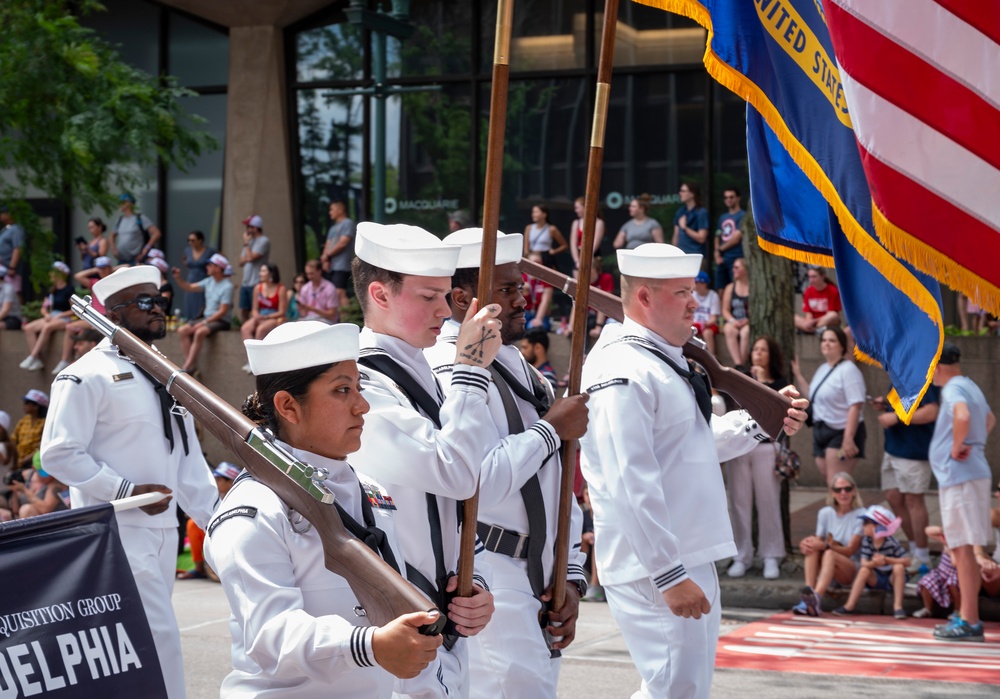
{"x": 596, "y": 666}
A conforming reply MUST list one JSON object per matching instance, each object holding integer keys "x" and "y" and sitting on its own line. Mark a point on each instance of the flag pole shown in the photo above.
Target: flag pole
{"x": 491, "y": 222}
{"x": 580, "y": 306}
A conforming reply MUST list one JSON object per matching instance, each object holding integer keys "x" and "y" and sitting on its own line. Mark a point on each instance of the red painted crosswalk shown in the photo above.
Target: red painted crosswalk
{"x": 861, "y": 646}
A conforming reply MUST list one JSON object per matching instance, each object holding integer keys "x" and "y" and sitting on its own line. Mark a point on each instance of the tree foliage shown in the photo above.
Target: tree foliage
{"x": 76, "y": 122}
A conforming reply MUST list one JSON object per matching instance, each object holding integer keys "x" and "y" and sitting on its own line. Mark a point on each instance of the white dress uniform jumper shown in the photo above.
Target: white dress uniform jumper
{"x": 105, "y": 432}
{"x": 651, "y": 458}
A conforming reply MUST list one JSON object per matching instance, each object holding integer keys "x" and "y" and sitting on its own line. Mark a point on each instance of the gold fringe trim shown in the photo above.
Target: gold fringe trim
{"x": 804, "y": 256}
{"x": 933, "y": 262}
{"x": 867, "y": 247}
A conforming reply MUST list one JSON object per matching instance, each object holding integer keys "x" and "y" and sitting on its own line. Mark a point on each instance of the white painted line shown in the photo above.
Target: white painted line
{"x": 204, "y": 624}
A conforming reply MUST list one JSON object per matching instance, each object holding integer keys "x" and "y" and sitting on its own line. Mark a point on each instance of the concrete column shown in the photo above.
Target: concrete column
{"x": 257, "y": 173}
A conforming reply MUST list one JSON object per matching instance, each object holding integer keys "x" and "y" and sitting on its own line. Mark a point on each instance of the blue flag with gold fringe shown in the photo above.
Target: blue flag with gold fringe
{"x": 811, "y": 200}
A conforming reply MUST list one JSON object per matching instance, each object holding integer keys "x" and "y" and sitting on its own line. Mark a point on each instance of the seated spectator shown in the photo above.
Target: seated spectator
{"x": 990, "y": 566}
{"x": 80, "y": 339}
{"x": 736, "y": 311}
{"x": 225, "y": 474}
{"x": 318, "y": 298}
{"x": 883, "y": 561}
{"x": 706, "y": 316}
{"x": 832, "y": 554}
{"x": 96, "y": 248}
{"x": 539, "y": 297}
{"x": 195, "y": 262}
{"x": 6, "y": 447}
{"x": 218, "y": 307}
{"x": 753, "y": 483}
{"x": 10, "y": 303}
{"x": 27, "y": 434}
{"x": 166, "y": 288}
{"x": 292, "y": 296}
{"x": 101, "y": 268}
{"x": 269, "y": 305}
{"x": 56, "y": 314}
{"x": 535, "y": 349}
{"x": 820, "y": 304}
{"x": 40, "y": 494}
{"x": 941, "y": 584}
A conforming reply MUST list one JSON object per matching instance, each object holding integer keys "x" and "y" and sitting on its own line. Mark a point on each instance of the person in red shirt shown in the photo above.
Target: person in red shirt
{"x": 820, "y": 304}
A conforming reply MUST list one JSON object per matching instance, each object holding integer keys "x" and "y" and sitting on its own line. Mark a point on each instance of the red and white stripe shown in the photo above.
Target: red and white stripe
{"x": 922, "y": 79}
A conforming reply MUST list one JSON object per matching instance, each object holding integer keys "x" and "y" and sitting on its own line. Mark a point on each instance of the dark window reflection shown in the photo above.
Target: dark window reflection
{"x": 334, "y": 52}
{"x": 546, "y": 35}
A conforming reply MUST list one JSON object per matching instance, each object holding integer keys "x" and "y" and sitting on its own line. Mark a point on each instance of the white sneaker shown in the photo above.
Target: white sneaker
{"x": 736, "y": 570}
{"x": 771, "y": 569}
{"x": 60, "y": 366}
{"x": 35, "y": 364}
{"x": 26, "y": 362}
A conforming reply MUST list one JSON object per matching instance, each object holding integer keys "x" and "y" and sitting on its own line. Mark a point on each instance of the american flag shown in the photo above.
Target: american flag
{"x": 922, "y": 78}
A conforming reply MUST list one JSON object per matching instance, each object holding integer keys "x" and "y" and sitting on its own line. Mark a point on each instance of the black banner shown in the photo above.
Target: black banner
{"x": 71, "y": 621}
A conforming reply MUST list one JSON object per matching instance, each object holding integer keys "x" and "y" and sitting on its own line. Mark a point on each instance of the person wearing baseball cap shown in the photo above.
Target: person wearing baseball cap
{"x": 225, "y": 473}
{"x": 112, "y": 432}
{"x": 218, "y": 308}
{"x": 133, "y": 235}
{"x": 651, "y": 458}
{"x": 706, "y": 315}
{"x": 56, "y": 313}
{"x": 425, "y": 448}
{"x": 958, "y": 460}
{"x": 27, "y": 432}
{"x": 256, "y": 252}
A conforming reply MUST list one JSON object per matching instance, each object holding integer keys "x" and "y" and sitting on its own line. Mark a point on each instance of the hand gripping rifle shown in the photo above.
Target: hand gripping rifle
{"x": 384, "y": 595}
{"x": 765, "y": 405}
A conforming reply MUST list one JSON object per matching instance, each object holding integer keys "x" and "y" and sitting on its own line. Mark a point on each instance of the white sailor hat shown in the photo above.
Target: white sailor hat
{"x": 103, "y": 261}
{"x": 125, "y": 277}
{"x": 61, "y": 266}
{"x": 658, "y": 261}
{"x": 509, "y": 247}
{"x": 405, "y": 250}
{"x": 302, "y": 344}
{"x": 219, "y": 260}
{"x": 156, "y": 253}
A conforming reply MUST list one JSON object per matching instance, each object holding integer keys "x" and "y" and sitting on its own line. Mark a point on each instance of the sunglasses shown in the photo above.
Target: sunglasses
{"x": 145, "y": 303}
{"x": 845, "y": 489}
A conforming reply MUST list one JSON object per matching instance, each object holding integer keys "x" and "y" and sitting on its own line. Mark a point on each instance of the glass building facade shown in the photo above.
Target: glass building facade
{"x": 162, "y": 41}
{"x": 668, "y": 120}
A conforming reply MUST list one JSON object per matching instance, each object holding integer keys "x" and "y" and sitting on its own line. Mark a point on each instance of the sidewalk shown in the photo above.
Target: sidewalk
{"x": 752, "y": 590}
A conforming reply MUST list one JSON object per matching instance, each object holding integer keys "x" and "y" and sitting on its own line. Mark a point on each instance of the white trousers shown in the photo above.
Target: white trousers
{"x": 674, "y": 656}
{"x": 152, "y": 556}
{"x": 752, "y": 480}
{"x": 447, "y": 678}
{"x": 510, "y": 658}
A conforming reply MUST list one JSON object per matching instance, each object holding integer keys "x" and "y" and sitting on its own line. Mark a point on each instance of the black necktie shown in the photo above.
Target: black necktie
{"x": 166, "y": 409}
{"x": 698, "y": 380}
{"x": 373, "y": 537}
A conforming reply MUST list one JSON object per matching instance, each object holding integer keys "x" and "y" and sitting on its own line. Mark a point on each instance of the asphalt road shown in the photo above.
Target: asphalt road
{"x": 596, "y": 666}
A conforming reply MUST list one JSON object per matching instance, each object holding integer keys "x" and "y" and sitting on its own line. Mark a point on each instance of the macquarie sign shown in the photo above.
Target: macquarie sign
{"x": 71, "y": 621}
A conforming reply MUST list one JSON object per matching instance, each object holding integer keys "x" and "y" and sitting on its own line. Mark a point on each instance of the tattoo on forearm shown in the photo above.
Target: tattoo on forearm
{"x": 476, "y": 351}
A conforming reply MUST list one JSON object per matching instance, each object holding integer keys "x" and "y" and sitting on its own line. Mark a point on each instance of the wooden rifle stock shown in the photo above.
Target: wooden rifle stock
{"x": 382, "y": 592}
{"x": 765, "y": 405}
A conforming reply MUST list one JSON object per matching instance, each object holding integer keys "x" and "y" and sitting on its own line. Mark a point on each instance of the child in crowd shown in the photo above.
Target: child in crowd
{"x": 883, "y": 560}
{"x": 941, "y": 584}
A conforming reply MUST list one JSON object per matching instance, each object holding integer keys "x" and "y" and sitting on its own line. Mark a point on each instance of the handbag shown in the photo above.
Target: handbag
{"x": 786, "y": 461}
{"x": 812, "y": 396}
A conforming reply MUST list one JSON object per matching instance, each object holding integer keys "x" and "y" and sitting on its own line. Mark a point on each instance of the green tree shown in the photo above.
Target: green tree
{"x": 77, "y": 123}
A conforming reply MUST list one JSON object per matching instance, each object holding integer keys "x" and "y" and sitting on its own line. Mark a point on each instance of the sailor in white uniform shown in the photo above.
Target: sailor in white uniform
{"x": 425, "y": 448}
{"x": 651, "y": 459}
{"x": 293, "y": 624}
{"x": 519, "y": 490}
{"x": 111, "y": 434}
